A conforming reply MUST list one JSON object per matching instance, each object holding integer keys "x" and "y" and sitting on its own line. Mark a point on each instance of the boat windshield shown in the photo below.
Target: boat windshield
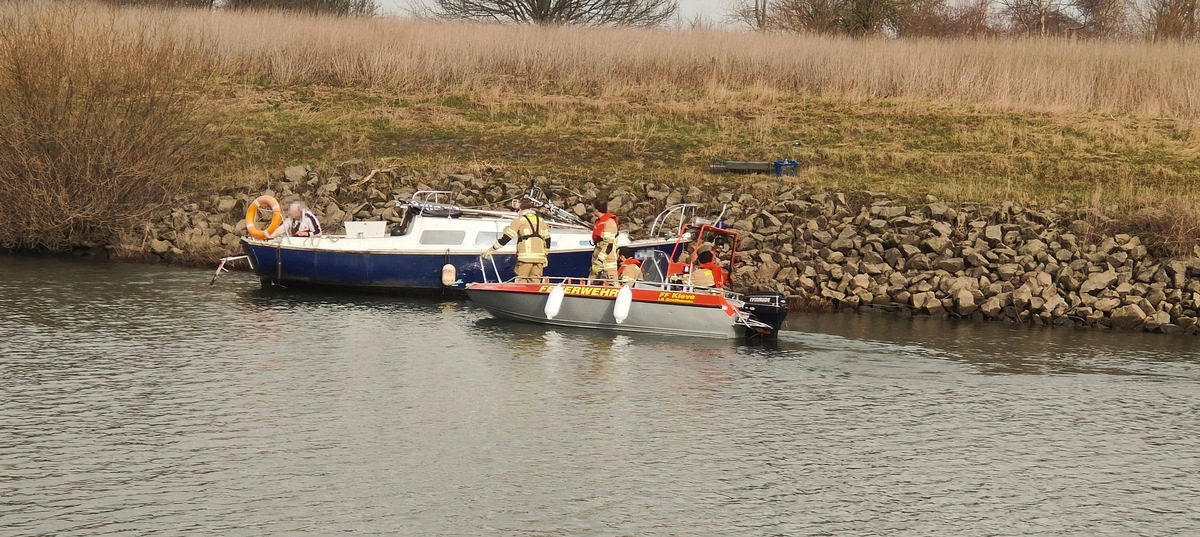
{"x": 654, "y": 265}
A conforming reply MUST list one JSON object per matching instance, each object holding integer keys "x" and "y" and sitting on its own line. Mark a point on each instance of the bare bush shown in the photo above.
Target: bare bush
{"x": 96, "y": 131}
{"x": 1171, "y": 228}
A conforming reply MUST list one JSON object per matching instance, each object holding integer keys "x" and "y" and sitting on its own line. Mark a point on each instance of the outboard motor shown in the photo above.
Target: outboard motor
{"x": 768, "y": 307}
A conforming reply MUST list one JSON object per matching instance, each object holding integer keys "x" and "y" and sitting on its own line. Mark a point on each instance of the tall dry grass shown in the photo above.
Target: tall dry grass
{"x": 1146, "y": 79}
{"x": 96, "y": 129}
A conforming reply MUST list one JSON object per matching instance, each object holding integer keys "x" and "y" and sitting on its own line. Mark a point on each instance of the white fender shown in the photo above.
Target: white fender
{"x": 554, "y": 300}
{"x": 448, "y": 275}
{"x": 621, "y": 306}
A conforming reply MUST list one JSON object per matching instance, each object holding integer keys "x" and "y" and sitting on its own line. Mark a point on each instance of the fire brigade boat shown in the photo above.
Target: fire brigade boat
{"x": 663, "y": 302}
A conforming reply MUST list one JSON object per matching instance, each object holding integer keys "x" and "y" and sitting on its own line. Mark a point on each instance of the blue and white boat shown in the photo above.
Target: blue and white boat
{"x": 434, "y": 247}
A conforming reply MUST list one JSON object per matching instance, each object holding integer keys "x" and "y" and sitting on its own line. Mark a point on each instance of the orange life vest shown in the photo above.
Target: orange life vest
{"x": 598, "y": 229}
{"x": 636, "y": 274}
{"x": 718, "y": 273}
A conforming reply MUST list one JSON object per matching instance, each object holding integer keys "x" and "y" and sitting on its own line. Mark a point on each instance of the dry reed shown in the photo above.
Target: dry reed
{"x": 95, "y": 131}
{"x": 1148, "y": 79}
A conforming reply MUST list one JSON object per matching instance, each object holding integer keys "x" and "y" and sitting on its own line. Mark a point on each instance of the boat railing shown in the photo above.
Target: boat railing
{"x": 680, "y": 209}
{"x": 430, "y": 203}
{"x": 432, "y": 196}
{"x": 686, "y": 217}
{"x": 483, "y": 263}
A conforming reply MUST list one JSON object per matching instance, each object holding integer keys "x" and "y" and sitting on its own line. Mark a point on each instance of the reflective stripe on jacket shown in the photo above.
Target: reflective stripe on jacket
{"x": 532, "y": 235}
{"x": 630, "y": 271}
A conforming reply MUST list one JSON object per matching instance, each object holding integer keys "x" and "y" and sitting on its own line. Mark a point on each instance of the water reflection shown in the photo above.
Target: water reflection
{"x": 997, "y": 348}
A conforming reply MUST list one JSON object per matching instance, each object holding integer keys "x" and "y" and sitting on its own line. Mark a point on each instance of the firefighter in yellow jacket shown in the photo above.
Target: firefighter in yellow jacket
{"x": 604, "y": 236}
{"x": 533, "y": 241}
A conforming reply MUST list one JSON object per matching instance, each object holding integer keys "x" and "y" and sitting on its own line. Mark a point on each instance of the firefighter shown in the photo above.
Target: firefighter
{"x": 604, "y": 236}
{"x": 707, "y": 272}
{"x": 533, "y": 241}
{"x": 630, "y": 269}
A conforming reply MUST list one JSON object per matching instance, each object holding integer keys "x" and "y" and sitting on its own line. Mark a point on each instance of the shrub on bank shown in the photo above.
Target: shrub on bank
{"x": 1171, "y": 229}
{"x": 96, "y": 130}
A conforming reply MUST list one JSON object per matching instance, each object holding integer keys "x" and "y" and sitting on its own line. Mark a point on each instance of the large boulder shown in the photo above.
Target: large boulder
{"x": 951, "y": 264}
{"x": 1129, "y": 316}
{"x": 1022, "y": 296}
{"x": 993, "y": 234}
{"x": 964, "y": 302}
{"x": 295, "y": 174}
{"x": 1032, "y": 248}
{"x": 1098, "y": 281}
{"x": 994, "y": 306}
{"x": 1055, "y": 306}
{"x": 937, "y": 245}
{"x": 919, "y": 262}
{"x": 1106, "y": 304}
{"x": 1177, "y": 270}
{"x": 889, "y": 212}
{"x": 159, "y": 247}
{"x": 1007, "y": 271}
{"x": 920, "y": 301}
{"x": 974, "y": 258}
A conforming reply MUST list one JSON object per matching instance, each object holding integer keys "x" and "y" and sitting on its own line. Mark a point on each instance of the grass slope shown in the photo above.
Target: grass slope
{"x": 908, "y": 149}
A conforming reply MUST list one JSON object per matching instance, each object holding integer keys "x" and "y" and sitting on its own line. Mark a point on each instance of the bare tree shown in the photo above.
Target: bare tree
{"x": 1172, "y": 19}
{"x": 1100, "y": 18}
{"x": 753, "y": 14}
{"x": 760, "y": 14}
{"x": 873, "y": 17}
{"x": 815, "y": 16}
{"x": 929, "y": 18}
{"x": 974, "y": 19}
{"x": 1039, "y": 17}
{"x": 948, "y": 18}
{"x": 586, "y": 12}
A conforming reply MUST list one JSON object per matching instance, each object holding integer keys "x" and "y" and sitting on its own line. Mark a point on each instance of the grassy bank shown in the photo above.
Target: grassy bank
{"x": 1046, "y": 120}
{"x": 909, "y": 149}
{"x": 1090, "y": 124}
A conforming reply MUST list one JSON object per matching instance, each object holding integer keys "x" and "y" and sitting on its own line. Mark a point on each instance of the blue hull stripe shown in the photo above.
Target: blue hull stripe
{"x": 400, "y": 271}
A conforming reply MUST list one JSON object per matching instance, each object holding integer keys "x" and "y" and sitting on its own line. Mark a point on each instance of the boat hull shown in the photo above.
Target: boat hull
{"x": 400, "y": 271}
{"x": 651, "y": 311}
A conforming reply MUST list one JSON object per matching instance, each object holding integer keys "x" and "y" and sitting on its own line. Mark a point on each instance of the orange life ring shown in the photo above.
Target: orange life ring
{"x": 252, "y": 212}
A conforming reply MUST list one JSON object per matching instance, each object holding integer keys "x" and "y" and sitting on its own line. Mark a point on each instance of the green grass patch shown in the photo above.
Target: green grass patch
{"x": 907, "y": 149}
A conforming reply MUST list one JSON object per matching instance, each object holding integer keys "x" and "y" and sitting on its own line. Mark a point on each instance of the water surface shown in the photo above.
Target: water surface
{"x": 139, "y": 399}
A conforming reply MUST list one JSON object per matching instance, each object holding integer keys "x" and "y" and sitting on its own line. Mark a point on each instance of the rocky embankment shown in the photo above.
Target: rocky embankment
{"x": 1005, "y": 262}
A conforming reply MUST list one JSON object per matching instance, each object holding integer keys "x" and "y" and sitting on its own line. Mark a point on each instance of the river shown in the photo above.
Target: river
{"x": 141, "y": 400}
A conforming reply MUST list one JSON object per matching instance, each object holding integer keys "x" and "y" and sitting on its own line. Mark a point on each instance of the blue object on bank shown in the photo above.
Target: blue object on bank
{"x": 786, "y": 166}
